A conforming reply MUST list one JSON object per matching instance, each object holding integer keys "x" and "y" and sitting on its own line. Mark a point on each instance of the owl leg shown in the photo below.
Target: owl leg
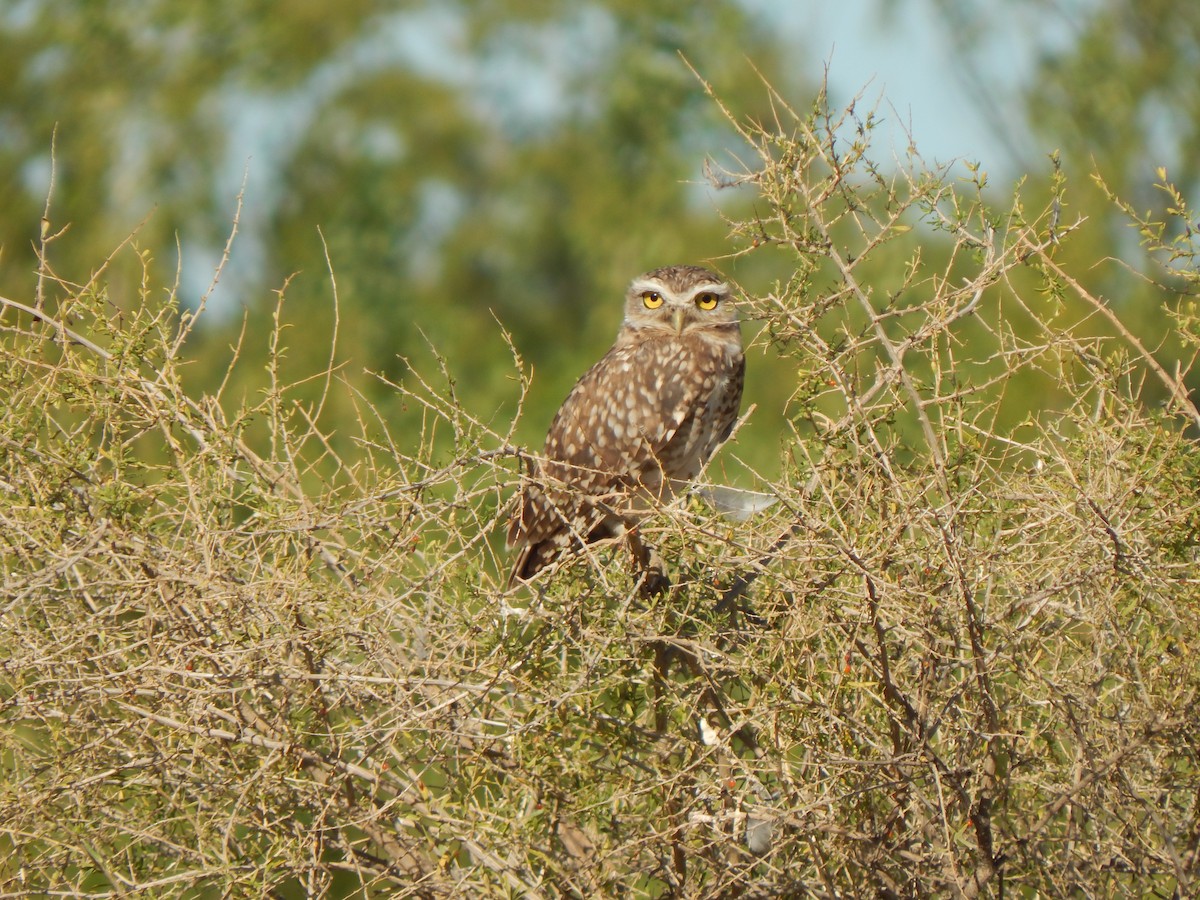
{"x": 654, "y": 571}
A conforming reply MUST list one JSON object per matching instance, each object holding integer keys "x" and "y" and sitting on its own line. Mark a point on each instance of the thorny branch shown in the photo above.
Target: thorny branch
{"x": 242, "y": 653}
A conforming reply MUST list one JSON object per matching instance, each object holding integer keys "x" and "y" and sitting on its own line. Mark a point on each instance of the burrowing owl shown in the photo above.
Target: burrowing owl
{"x": 640, "y": 422}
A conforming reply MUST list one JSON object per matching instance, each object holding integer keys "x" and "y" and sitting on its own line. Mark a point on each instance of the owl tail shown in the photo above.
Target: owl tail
{"x": 536, "y": 532}
{"x": 542, "y": 531}
{"x": 531, "y": 559}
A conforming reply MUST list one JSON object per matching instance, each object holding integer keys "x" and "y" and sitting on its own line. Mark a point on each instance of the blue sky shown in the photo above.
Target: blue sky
{"x": 907, "y": 62}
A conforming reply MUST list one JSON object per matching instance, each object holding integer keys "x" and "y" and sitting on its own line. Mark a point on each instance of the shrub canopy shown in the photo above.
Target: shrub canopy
{"x": 246, "y": 654}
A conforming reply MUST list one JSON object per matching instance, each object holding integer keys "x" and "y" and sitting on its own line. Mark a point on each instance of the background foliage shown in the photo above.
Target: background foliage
{"x": 254, "y": 636}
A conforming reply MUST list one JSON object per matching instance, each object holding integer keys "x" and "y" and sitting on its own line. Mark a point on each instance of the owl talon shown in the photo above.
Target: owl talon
{"x": 654, "y": 578}
{"x": 655, "y": 581}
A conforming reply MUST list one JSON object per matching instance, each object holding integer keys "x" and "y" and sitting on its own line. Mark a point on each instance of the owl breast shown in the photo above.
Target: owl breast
{"x": 712, "y": 409}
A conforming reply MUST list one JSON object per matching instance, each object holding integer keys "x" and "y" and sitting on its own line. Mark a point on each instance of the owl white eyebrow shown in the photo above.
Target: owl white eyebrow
{"x": 659, "y": 288}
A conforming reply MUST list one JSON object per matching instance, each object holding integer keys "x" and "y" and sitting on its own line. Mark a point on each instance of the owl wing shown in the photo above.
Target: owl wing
{"x": 610, "y": 431}
{"x": 732, "y": 402}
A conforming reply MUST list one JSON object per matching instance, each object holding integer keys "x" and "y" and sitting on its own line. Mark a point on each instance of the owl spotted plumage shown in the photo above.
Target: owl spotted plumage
{"x": 639, "y": 423}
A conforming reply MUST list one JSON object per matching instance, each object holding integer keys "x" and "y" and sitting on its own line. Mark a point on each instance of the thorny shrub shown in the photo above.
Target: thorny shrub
{"x": 957, "y": 657}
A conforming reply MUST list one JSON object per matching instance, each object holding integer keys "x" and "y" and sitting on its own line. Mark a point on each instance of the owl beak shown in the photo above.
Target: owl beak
{"x": 677, "y": 316}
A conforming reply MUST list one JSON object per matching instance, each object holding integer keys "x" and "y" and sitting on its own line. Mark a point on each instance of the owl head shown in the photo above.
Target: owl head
{"x": 678, "y": 300}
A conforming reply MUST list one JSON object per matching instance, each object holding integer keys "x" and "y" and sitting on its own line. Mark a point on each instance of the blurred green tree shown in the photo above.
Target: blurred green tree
{"x": 1111, "y": 85}
{"x": 519, "y": 160}
{"x": 1111, "y": 93}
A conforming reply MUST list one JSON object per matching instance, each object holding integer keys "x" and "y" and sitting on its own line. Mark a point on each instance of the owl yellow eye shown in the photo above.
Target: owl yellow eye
{"x": 652, "y": 299}
{"x": 707, "y": 300}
